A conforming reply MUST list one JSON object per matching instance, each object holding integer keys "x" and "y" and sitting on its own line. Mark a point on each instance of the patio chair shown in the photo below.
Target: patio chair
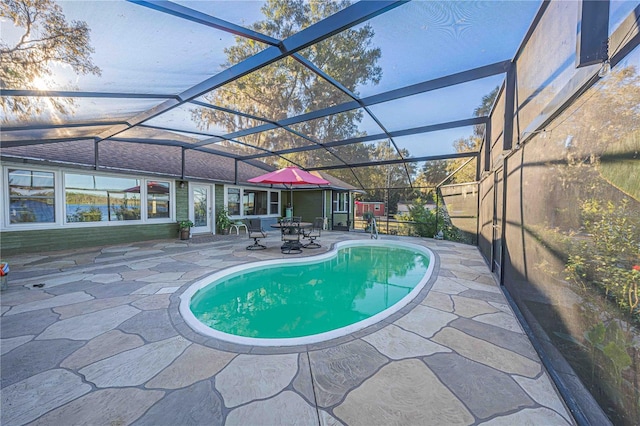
{"x": 237, "y": 225}
{"x": 256, "y": 232}
{"x": 313, "y": 233}
{"x": 291, "y": 237}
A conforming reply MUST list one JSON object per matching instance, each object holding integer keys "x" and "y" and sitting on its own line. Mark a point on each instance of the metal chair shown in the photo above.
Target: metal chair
{"x": 291, "y": 236}
{"x": 314, "y": 232}
{"x": 256, "y": 232}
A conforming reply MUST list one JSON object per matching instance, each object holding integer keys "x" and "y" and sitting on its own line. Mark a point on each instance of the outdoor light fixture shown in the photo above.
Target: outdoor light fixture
{"x": 182, "y": 184}
{"x": 605, "y": 69}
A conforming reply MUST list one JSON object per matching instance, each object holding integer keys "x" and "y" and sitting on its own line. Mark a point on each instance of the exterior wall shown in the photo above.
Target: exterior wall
{"x": 62, "y": 233}
{"x": 182, "y": 202}
{"x": 307, "y": 204}
{"x": 34, "y": 241}
{"x": 219, "y": 197}
{"x": 369, "y": 206}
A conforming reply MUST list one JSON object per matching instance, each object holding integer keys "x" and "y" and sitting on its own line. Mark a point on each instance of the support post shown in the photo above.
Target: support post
{"x": 487, "y": 146}
{"x": 509, "y": 102}
{"x": 182, "y": 164}
{"x": 96, "y": 156}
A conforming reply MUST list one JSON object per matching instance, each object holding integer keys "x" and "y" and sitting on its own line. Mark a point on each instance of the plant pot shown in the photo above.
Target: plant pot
{"x": 184, "y": 234}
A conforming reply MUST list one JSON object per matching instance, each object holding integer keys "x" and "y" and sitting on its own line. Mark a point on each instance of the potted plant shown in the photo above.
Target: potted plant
{"x": 184, "y": 227}
{"x": 223, "y": 221}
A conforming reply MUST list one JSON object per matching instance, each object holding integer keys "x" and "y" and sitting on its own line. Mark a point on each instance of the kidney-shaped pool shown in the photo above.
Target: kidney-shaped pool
{"x": 307, "y": 300}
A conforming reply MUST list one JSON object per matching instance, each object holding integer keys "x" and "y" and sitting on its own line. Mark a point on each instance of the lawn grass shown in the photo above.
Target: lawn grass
{"x": 620, "y": 165}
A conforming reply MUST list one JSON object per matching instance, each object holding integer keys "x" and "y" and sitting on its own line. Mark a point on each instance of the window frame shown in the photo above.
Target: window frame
{"x": 6, "y": 197}
{"x": 59, "y": 176}
{"x": 242, "y": 190}
{"x": 342, "y": 199}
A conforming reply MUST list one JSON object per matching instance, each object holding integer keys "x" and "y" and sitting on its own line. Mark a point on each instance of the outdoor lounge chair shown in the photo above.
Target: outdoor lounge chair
{"x": 256, "y": 232}
{"x": 313, "y": 233}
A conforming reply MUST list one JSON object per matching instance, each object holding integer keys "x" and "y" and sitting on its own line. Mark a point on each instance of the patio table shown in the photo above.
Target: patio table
{"x": 292, "y": 245}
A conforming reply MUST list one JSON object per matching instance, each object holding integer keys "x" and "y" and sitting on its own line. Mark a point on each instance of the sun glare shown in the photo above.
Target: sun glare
{"x": 40, "y": 83}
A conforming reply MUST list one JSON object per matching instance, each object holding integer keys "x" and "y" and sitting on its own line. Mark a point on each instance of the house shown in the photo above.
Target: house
{"x": 376, "y": 207}
{"x": 404, "y": 207}
{"x": 59, "y": 198}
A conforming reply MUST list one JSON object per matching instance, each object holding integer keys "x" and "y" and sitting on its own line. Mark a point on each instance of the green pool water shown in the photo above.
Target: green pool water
{"x": 302, "y": 299}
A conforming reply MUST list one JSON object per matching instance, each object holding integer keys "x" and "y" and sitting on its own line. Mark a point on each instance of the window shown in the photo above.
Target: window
{"x": 340, "y": 201}
{"x": 233, "y": 201}
{"x": 275, "y": 204}
{"x": 158, "y": 200}
{"x": 254, "y": 202}
{"x": 31, "y": 196}
{"x": 91, "y": 198}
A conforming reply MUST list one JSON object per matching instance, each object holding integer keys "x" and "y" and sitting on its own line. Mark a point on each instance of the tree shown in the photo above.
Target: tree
{"x": 287, "y": 88}
{"x": 47, "y": 38}
{"x": 471, "y": 143}
{"x": 376, "y": 179}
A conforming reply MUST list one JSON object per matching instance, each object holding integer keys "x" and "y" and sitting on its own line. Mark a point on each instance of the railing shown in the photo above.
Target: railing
{"x": 373, "y": 228}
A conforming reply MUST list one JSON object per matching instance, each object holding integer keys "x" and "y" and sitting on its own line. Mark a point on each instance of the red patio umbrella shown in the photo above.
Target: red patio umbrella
{"x": 290, "y": 176}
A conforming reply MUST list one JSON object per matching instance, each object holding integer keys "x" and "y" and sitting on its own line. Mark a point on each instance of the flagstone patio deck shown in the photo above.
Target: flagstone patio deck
{"x": 102, "y": 342}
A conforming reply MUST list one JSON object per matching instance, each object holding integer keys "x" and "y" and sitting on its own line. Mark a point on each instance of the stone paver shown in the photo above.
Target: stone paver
{"x": 487, "y": 353}
{"x": 21, "y": 296}
{"x": 469, "y": 308}
{"x": 27, "y": 323}
{"x": 153, "y": 302}
{"x": 88, "y": 326}
{"x": 440, "y": 301}
{"x": 103, "y": 343}
{"x": 104, "y": 278}
{"x": 90, "y": 306}
{"x": 467, "y": 380}
{"x": 303, "y": 382}
{"x": 196, "y": 363}
{"x": 396, "y": 343}
{"x": 167, "y": 290}
{"x": 542, "y": 391}
{"x": 339, "y": 369}
{"x": 152, "y": 326}
{"x": 415, "y": 320}
{"x": 514, "y": 341}
{"x": 65, "y": 299}
{"x": 34, "y": 357}
{"x": 64, "y": 279}
{"x": 106, "y": 407}
{"x": 268, "y": 375}
{"x": 531, "y": 416}
{"x": 197, "y": 404}
{"x": 29, "y": 399}
{"x": 134, "y": 367}
{"x": 7, "y": 345}
{"x": 403, "y": 393}
{"x": 103, "y": 346}
{"x": 327, "y": 419}
{"x": 269, "y": 412}
{"x": 500, "y": 319}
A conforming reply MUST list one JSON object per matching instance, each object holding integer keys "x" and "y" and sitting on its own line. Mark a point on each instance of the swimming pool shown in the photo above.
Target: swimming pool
{"x": 307, "y": 300}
